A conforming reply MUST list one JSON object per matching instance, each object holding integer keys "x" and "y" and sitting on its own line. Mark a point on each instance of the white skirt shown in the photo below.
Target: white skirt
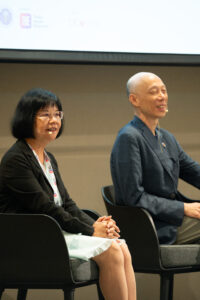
{"x": 85, "y": 247}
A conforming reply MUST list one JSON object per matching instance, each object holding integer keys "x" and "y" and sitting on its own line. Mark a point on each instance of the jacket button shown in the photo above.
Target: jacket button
{"x": 172, "y": 196}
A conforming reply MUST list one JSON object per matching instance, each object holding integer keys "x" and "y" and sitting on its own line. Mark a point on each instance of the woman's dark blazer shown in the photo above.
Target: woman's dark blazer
{"x": 145, "y": 171}
{"x": 24, "y": 188}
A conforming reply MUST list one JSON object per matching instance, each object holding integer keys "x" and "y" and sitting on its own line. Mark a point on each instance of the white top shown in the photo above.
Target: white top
{"x": 49, "y": 173}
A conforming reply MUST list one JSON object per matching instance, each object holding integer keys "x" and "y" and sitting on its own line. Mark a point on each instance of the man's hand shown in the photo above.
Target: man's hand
{"x": 192, "y": 210}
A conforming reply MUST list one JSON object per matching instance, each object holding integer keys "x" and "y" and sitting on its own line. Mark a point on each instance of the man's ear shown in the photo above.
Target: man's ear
{"x": 133, "y": 100}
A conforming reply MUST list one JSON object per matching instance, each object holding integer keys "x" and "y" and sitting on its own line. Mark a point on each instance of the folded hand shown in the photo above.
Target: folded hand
{"x": 112, "y": 230}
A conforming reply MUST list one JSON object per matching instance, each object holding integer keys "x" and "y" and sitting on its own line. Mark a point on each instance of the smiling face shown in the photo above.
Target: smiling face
{"x": 47, "y": 124}
{"x": 149, "y": 97}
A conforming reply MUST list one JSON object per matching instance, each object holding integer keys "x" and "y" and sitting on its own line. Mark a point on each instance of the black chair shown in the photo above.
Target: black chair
{"x": 34, "y": 255}
{"x": 138, "y": 229}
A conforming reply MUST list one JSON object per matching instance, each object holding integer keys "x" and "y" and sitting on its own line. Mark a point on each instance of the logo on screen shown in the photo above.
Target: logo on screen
{"x": 5, "y": 16}
{"x": 25, "y": 20}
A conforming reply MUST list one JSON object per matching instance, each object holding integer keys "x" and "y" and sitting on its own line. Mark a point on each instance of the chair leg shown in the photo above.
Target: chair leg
{"x": 21, "y": 294}
{"x": 68, "y": 294}
{"x": 100, "y": 295}
{"x": 1, "y": 291}
{"x": 166, "y": 286}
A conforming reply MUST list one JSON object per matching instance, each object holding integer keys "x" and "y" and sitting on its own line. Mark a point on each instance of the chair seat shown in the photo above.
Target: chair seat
{"x": 84, "y": 270}
{"x": 180, "y": 255}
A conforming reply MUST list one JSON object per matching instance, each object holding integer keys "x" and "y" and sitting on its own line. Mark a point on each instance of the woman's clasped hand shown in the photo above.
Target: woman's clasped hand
{"x": 106, "y": 227}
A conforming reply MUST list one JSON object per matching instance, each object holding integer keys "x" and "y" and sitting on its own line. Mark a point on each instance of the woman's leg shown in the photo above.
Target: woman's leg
{"x": 130, "y": 276}
{"x": 113, "y": 278}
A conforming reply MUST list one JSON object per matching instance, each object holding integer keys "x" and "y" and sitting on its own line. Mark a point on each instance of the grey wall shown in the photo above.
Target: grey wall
{"x": 95, "y": 107}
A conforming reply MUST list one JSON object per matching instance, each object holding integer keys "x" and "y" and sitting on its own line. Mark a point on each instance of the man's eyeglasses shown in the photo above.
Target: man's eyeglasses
{"x": 45, "y": 116}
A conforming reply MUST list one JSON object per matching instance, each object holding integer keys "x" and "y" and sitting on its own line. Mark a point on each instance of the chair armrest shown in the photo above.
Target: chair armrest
{"x": 142, "y": 239}
{"x": 33, "y": 242}
{"x": 138, "y": 229}
{"x": 92, "y": 213}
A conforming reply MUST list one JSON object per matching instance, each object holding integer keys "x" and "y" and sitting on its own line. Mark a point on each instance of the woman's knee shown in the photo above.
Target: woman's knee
{"x": 116, "y": 253}
{"x": 113, "y": 255}
{"x": 126, "y": 253}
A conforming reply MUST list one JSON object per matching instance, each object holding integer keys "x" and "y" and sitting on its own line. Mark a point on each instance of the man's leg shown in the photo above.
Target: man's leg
{"x": 188, "y": 232}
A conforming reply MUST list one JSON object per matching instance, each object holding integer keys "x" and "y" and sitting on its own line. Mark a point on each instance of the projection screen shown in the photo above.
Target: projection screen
{"x": 108, "y": 31}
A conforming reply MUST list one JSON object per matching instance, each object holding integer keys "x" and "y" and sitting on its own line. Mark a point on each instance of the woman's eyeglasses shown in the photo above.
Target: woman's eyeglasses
{"x": 45, "y": 116}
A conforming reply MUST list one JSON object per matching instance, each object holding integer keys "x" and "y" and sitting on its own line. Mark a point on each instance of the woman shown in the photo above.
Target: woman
{"x": 30, "y": 183}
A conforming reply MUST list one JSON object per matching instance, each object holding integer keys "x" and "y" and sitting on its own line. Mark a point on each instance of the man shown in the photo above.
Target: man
{"x": 147, "y": 161}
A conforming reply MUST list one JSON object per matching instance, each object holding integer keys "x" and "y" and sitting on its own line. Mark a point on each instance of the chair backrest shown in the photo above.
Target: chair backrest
{"x": 32, "y": 250}
{"x": 138, "y": 229}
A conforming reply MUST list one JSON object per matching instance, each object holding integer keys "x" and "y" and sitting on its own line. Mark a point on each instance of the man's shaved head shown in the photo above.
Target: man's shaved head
{"x": 134, "y": 81}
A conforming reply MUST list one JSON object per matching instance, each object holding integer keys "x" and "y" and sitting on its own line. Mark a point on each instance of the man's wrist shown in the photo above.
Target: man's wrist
{"x": 185, "y": 209}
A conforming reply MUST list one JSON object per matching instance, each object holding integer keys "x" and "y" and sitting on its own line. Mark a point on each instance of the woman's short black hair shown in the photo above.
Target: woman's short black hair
{"x": 22, "y": 125}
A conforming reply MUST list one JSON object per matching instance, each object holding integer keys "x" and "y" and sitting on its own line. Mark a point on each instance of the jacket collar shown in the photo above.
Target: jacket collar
{"x": 26, "y": 150}
{"x": 155, "y": 142}
{"x": 146, "y": 132}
